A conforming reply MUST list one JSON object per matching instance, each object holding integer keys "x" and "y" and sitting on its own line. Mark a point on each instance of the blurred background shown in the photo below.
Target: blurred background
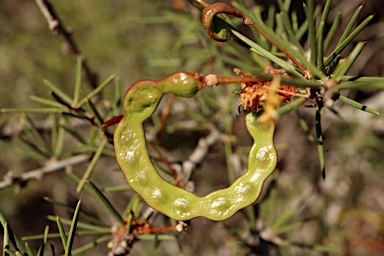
{"x": 151, "y": 39}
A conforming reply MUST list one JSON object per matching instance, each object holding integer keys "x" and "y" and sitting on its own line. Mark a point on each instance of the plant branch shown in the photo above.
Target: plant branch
{"x": 10, "y": 179}
{"x": 55, "y": 25}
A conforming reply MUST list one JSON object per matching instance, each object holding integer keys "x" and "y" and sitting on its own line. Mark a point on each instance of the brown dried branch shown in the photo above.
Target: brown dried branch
{"x": 54, "y": 166}
{"x": 55, "y": 25}
{"x": 198, "y": 155}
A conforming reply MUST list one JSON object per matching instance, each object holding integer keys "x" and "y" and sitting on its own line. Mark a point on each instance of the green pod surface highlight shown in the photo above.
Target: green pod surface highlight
{"x": 140, "y": 101}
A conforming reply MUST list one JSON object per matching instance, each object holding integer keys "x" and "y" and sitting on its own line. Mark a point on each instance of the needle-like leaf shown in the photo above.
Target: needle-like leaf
{"x": 72, "y": 230}
{"x": 92, "y": 164}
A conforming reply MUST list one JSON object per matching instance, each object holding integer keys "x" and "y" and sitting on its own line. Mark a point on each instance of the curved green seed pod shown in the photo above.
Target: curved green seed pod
{"x": 140, "y": 102}
{"x": 219, "y": 27}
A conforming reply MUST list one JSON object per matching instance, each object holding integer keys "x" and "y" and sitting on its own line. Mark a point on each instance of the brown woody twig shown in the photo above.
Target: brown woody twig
{"x": 10, "y": 179}
{"x": 55, "y": 25}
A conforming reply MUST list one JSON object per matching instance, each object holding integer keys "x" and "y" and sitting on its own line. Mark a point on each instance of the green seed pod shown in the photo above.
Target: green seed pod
{"x": 140, "y": 101}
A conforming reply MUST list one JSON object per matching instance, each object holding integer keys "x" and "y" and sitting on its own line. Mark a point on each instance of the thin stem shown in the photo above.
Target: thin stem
{"x": 165, "y": 113}
{"x": 249, "y": 23}
{"x": 164, "y": 160}
{"x": 10, "y": 179}
{"x": 309, "y": 8}
{"x": 233, "y": 80}
{"x": 55, "y": 25}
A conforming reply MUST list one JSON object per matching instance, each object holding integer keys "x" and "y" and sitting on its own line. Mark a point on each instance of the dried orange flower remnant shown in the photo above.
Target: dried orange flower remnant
{"x": 253, "y": 95}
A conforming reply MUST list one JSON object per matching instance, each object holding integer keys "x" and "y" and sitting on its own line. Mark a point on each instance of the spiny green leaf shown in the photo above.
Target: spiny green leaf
{"x": 332, "y": 31}
{"x": 58, "y": 142}
{"x": 72, "y": 230}
{"x": 288, "y": 25}
{"x": 96, "y": 91}
{"x": 319, "y": 136}
{"x": 75, "y": 134}
{"x": 57, "y": 91}
{"x": 32, "y": 110}
{"x": 271, "y": 206}
{"x": 6, "y": 244}
{"x": 76, "y": 93}
{"x": 78, "y": 233}
{"x": 80, "y": 224}
{"x": 350, "y": 25}
{"x": 35, "y": 151}
{"x": 63, "y": 236}
{"x": 118, "y": 96}
{"x": 290, "y": 106}
{"x": 132, "y": 206}
{"x": 104, "y": 201}
{"x": 309, "y": 10}
{"x": 29, "y": 250}
{"x": 347, "y": 41}
{"x": 368, "y": 79}
{"x": 82, "y": 214}
{"x": 251, "y": 218}
{"x": 312, "y": 246}
{"x": 301, "y": 30}
{"x": 7, "y": 252}
{"x": 305, "y": 127}
{"x": 345, "y": 64}
{"x": 92, "y": 164}
{"x": 258, "y": 38}
{"x": 323, "y": 20}
{"x": 282, "y": 220}
{"x": 319, "y": 35}
{"x": 44, "y": 242}
{"x": 288, "y": 227}
{"x": 95, "y": 112}
{"x": 358, "y": 105}
{"x": 91, "y": 245}
{"x": 151, "y": 237}
{"x": 287, "y": 46}
{"x": 31, "y": 151}
{"x": 37, "y": 137}
{"x": 364, "y": 83}
{"x": 259, "y": 50}
{"x": 46, "y": 102}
